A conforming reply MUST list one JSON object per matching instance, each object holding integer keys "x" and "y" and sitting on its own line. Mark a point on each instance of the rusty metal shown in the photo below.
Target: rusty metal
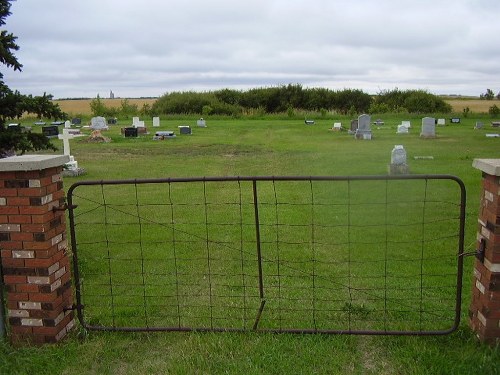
{"x": 259, "y": 259}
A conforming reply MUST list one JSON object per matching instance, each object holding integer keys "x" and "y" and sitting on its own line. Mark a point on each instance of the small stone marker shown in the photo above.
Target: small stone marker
{"x": 112, "y": 121}
{"x": 130, "y": 132}
{"x": 76, "y": 121}
{"x": 398, "y": 161}
{"x": 309, "y": 122}
{"x": 50, "y": 131}
{"x": 184, "y": 129}
{"x": 479, "y": 125}
{"x": 67, "y": 124}
{"x": 135, "y": 120}
{"x": 455, "y": 120}
{"x": 406, "y": 123}
{"x": 156, "y": 122}
{"x": 441, "y": 122}
{"x": 337, "y": 126}
{"x": 402, "y": 129}
{"x": 428, "y": 127}
{"x": 161, "y": 135}
{"x": 201, "y": 123}
{"x": 353, "y": 127}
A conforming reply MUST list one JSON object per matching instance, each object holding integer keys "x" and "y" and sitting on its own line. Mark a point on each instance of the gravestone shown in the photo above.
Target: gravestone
{"x": 57, "y": 123}
{"x": 184, "y": 129}
{"x": 50, "y": 131}
{"x": 402, "y": 129}
{"x": 428, "y": 127}
{"x": 139, "y": 124}
{"x": 67, "y": 124}
{"x": 495, "y": 124}
{"x": 164, "y": 135}
{"x": 40, "y": 123}
{"x": 354, "y": 126}
{"x": 479, "y": 125}
{"x": 156, "y": 122}
{"x": 309, "y": 122}
{"x": 98, "y": 123}
{"x": 135, "y": 121}
{"x": 70, "y": 168}
{"x": 201, "y": 123}
{"x": 112, "y": 121}
{"x": 406, "y": 123}
{"x": 337, "y": 126}
{"x": 398, "y": 161}
{"x": 76, "y": 121}
{"x": 364, "y": 130}
{"x": 455, "y": 120}
{"x": 441, "y": 122}
{"x": 130, "y": 132}
{"x": 378, "y": 122}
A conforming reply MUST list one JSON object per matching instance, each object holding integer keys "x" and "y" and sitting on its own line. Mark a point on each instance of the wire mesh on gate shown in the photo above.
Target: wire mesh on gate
{"x": 372, "y": 254}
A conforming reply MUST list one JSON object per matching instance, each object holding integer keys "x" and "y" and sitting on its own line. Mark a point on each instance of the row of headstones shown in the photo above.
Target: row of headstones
{"x": 361, "y": 128}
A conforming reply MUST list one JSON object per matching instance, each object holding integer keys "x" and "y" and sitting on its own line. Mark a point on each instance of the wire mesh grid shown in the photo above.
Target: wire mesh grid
{"x": 340, "y": 255}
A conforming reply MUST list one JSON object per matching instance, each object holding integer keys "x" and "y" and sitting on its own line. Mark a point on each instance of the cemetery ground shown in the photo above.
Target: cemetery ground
{"x": 272, "y": 146}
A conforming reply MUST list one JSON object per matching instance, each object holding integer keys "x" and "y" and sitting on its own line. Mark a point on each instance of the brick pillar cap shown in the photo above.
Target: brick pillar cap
{"x": 488, "y": 166}
{"x": 32, "y": 162}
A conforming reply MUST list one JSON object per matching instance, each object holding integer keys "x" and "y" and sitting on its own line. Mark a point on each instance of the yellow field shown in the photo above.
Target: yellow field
{"x": 82, "y": 106}
{"x": 475, "y": 105}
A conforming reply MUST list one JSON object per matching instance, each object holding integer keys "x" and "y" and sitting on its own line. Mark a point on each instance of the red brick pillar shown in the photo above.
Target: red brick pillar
{"x": 484, "y": 310}
{"x": 35, "y": 266}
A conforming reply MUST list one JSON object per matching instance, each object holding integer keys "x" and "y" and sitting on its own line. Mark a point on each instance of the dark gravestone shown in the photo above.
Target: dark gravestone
{"x": 184, "y": 129}
{"x": 455, "y": 120}
{"x": 112, "y": 121}
{"x": 76, "y": 121}
{"x": 50, "y": 131}
{"x": 130, "y": 132}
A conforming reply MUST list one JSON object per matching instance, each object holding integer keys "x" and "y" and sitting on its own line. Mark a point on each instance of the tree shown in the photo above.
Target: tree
{"x": 489, "y": 95}
{"x": 14, "y": 105}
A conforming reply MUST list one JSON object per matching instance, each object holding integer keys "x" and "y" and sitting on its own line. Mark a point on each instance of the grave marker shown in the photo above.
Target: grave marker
{"x": 98, "y": 123}
{"x": 201, "y": 123}
{"x": 428, "y": 127}
{"x": 156, "y": 122}
{"x": 364, "y": 130}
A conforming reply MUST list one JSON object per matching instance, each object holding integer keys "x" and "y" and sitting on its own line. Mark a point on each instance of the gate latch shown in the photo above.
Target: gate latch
{"x": 480, "y": 252}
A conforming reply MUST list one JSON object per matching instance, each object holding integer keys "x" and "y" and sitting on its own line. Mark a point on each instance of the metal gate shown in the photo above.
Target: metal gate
{"x": 354, "y": 254}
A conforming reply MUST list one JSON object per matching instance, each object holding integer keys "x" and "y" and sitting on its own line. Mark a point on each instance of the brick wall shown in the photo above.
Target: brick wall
{"x": 35, "y": 265}
{"x": 484, "y": 311}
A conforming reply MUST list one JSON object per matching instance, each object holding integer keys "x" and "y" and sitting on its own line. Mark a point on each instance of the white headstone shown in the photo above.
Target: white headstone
{"x": 337, "y": 126}
{"x": 67, "y": 124}
{"x": 156, "y": 122}
{"x": 398, "y": 155}
{"x": 139, "y": 124}
{"x": 406, "y": 123}
{"x": 201, "y": 123}
{"x": 441, "y": 122}
{"x": 428, "y": 127}
{"x": 135, "y": 120}
{"x": 402, "y": 129}
{"x": 98, "y": 123}
{"x": 66, "y": 136}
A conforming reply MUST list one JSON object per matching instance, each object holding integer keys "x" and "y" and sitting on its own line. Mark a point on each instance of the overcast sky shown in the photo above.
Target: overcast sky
{"x": 81, "y": 48}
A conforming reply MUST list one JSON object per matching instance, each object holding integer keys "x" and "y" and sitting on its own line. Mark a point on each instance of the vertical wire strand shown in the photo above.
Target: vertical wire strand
{"x": 278, "y": 260}
{"x": 313, "y": 244}
{"x": 141, "y": 247}
{"x": 174, "y": 250}
{"x": 209, "y": 260}
{"x": 110, "y": 269}
{"x": 422, "y": 250}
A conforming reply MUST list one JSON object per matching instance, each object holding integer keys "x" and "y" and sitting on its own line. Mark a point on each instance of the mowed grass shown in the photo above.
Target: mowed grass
{"x": 274, "y": 147}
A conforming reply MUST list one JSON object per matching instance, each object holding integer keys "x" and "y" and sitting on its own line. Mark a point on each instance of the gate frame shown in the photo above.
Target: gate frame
{"x": 254, "y": 179}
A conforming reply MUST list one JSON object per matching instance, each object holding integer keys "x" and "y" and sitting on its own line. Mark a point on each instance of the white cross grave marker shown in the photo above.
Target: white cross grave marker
{"x": 66, "y": 136}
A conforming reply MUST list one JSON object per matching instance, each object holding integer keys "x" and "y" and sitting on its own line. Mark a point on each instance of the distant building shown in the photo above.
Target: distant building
{"x": 111, "y": 94}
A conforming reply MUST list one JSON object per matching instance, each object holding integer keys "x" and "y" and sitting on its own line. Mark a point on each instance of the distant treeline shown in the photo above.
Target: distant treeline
{"x": 291, "y": 99}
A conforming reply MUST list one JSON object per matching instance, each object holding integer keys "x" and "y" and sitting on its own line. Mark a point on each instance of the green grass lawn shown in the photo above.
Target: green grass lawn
{"x": 281, "y": 148}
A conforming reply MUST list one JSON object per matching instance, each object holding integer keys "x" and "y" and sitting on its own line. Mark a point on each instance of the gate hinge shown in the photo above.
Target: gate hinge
{"x": 482, "y": 249}
{"x": 64, "y": 207}
{"x": 73, "y": 307}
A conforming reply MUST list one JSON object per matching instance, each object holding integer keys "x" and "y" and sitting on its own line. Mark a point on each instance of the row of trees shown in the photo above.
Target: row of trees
{"x": 292, "y": 97}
